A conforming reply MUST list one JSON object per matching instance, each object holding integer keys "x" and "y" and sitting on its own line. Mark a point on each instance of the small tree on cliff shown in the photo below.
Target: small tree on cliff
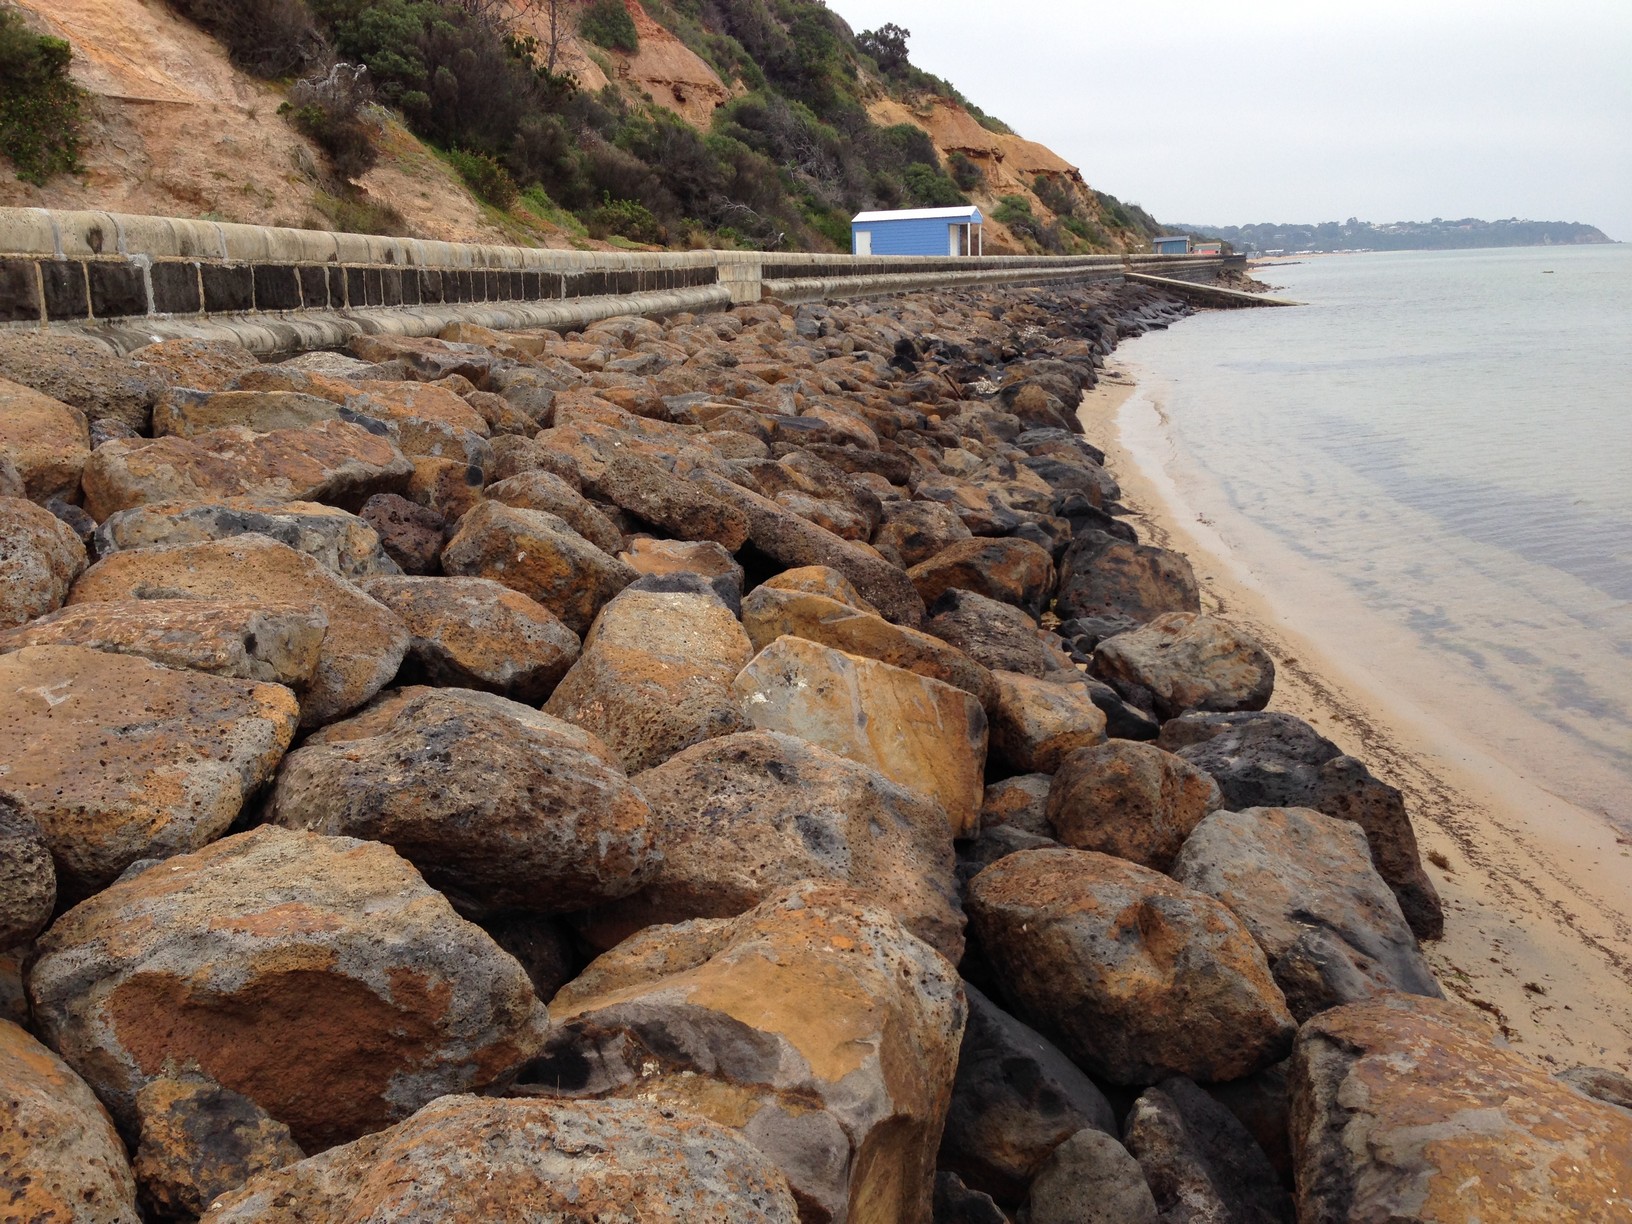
{"x": 887, "y": 45}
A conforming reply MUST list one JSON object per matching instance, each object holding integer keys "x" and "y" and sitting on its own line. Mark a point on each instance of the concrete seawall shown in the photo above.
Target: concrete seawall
{"x": 130, "y": 280}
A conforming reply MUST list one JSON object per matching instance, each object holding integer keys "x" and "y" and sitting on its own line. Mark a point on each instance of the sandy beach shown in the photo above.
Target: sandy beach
{"x": 1537, "y": 891}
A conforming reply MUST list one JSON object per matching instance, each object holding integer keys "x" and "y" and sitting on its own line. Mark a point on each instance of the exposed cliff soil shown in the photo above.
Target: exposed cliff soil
{"x": 176, "y": 130}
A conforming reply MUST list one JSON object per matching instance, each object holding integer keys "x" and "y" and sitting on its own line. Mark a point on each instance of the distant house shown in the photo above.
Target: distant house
{"x": 1171, "y": 244}
{"x": 919, "y": 231}
{"x": 1209, "y": 248}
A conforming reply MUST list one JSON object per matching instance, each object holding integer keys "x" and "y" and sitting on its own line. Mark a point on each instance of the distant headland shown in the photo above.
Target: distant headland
{"x": 1271, "y": 237}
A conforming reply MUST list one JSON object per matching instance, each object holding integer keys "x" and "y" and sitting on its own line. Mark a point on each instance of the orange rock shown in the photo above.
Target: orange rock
{"x": 341, "y": 542}
{"x": 199, "y": 1140}
{"x": 539, "y": 555}
{"x": 924, "y": 734}
{"x": 61, "y": 1161}
{"x": 1131, "y": 800}
{"x": 186, "y": 414}
{"x": 1406, "y": 1108}
{"x": 815, "y": 1024}
{"x": 539, "y": 490}
{"x": 1135, "y": 977}
{"x": 1035, "y": 723}
{"x": 243, "y": 639}
{"x": 318, "y": 976}
{"x": 47, "y": 441}
{"x": 450, "y": 487}
{"x": 791, "y": 540}
{"x": 1014, "y": 571}
{"x": 335, "y": 462}
{"x": 365, "y": 641}
{"x": 118, "y": 759}
{"x": 655, "y": 675}
{"x": 40, "y": 556}
{"x": 745, "y": 815}
{"x": 661, "y": 498}
{"x": 820, "y": 580}
{"x": 205, "y": 365}
{"x": 771, "y": 611}
{"x": 476, "y": 633}
{"x": 519, "y": 1162}
{"x": 500, "y": 806}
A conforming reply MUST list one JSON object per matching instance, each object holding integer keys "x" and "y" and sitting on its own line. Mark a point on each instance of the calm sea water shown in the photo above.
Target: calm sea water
{"x": 1448, "y": 438}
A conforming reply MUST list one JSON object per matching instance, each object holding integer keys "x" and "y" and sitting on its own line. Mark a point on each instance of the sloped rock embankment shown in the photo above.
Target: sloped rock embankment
{"x": 742, "y": 767}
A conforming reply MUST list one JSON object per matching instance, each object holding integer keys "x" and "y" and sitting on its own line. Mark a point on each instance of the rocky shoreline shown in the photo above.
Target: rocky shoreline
{"x": 737, "y": 767}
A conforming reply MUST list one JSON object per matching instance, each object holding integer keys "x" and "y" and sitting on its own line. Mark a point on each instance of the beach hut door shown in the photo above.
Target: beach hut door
{"x": 864, "y": 242}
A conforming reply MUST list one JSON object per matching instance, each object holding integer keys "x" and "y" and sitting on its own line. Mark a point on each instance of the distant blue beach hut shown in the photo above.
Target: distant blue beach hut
{"x": 1171, "y": 244}
{"x": 919, "y": 231}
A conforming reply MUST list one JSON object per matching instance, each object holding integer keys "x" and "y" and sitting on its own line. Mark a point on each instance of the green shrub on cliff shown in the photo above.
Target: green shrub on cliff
{"x": 607, "y": 24}
{"x": 40, "y": 106}
{"x": 486, "y": 177}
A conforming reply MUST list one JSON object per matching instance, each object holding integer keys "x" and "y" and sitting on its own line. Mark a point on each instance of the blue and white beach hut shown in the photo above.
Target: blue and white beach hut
{"x": 919, "y": 231}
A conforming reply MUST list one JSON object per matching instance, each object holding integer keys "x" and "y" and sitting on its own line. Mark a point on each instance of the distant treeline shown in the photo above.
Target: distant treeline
{"x": 1438, "y": 234}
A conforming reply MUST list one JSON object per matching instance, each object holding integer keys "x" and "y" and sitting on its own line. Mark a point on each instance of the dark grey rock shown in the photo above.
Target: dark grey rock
{"x": 1200, "y": 1163}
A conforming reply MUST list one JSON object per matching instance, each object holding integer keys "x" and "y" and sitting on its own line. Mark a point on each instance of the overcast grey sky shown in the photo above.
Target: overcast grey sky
{"x": 1234, "y": 111}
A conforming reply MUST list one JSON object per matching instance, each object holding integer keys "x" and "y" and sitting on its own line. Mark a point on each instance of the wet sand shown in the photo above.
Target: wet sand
{"x": 1537, "y": 891}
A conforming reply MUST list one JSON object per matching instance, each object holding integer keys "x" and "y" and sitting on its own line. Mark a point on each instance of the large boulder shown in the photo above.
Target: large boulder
{"x": 1037, "y": 723}
{"x": 188, "y": 413}
{"x": 655, "y": 675}
{"x": 785, "y": 537}
{"x": 243, "y": 639}
{"x": 915, "y": 531}
{"x": 1134, "y": 976}
{"x": 538, "y": 554}
{"x": 118, "y": 759}
{"x": 500, "y": 807}
{"x": 61, "y": 1161}
{"x": 1304, "y": 885}
{"x": 318, "y": 976}
{"x": 924, "y": 734}
{"x": 995, "y": 634}
{"x": 770, "y": 612}
{"x": 1102, "y": 575}
{"x": 1012, "y": 571}
{"x": 1185, "y": 661}
{"x": 83, "y": 372}
{"x": 1091, "y": 1179}
{"x": 209, "y": 365}
{"x": 341, "y": 542}
{"x": 199, "y": 1140}
{"x": 477, "y": 633}
{"x": 1131, "y": 800}
{"x": 46, "y": 441}
{"x": 1015, "y": 1099}
{"x": 815, "y": 1023}
{"x": 365, "y": 641}
{"x": 1200, "y": 1163}
{"x": 520, "y": 1162}
{"x": 740, "y": 817}
{"x": 40, "y": 556}
{"x": 1277, "y": 760}
{"x": 1413, "y": 1109}
{"x": 657, "y": 496}
{"x": 548, "y": 492}
{"x": 337, "y": 462}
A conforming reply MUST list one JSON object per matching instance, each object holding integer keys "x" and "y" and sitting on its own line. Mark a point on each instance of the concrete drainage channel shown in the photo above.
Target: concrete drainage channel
{"x": 130, "y": 281}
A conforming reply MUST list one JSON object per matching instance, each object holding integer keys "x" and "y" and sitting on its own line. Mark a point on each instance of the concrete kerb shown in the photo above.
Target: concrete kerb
{"x": 298, "y": 331}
